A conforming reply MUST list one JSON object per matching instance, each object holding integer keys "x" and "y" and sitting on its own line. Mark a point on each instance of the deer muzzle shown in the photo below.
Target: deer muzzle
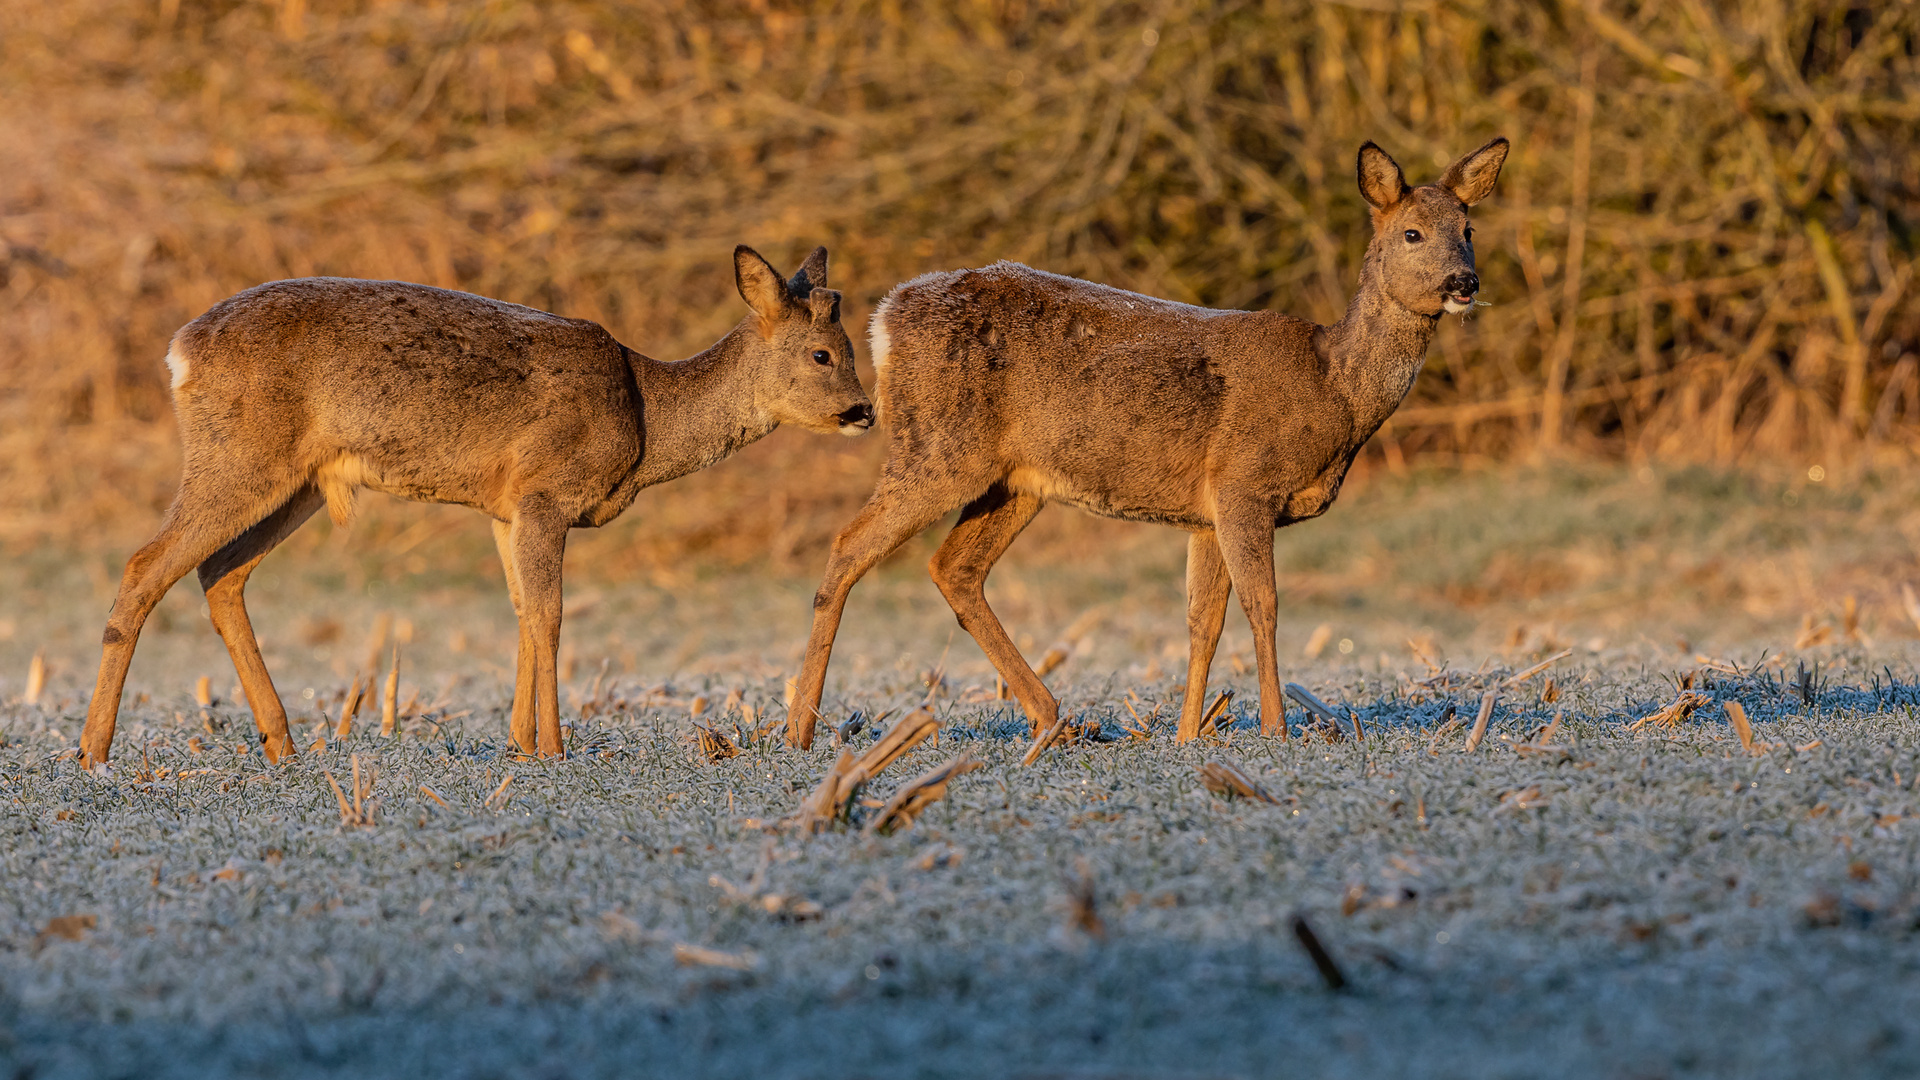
{"x": 857, "y": 420}
{"x": 1456, "y": 293}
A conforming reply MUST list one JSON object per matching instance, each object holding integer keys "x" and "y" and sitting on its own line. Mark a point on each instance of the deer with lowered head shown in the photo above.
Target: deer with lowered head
{"x": 295, "y": 394}
{"x": 1008, "y": 388}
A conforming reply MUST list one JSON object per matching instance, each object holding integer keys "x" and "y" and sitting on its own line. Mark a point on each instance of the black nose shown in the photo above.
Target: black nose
{"x": 1461, "y": 284}
{"x": 861, "y": 414}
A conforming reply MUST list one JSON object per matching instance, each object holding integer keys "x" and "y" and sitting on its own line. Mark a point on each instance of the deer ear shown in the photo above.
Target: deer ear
{"x": 1472, "y": 177}
{"x": 1381, "y": 182}
{"x": 812, "y": 275}
{"x": 760, "y": 285}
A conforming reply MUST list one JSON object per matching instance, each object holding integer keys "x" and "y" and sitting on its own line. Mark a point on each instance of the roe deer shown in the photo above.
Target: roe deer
{"x": 296, "y": 393}
{"x": 1007, "y": 388}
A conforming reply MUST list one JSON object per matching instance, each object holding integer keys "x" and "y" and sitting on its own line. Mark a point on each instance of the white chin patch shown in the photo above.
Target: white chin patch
{"x": 854, "y": 431}
{"x": 1455, "y": 307}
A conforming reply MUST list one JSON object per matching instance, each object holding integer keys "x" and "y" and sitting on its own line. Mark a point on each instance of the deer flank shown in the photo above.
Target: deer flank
{"x": 1007, "y": 388}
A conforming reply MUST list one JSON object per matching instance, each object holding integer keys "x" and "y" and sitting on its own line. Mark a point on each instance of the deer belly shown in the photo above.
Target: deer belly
{"x": 339, "y": 478}
{"x": 1125, "y": 505}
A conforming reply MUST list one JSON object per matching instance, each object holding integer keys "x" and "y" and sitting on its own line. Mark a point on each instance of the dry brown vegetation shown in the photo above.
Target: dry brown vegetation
{"x": 1702, "y": 248}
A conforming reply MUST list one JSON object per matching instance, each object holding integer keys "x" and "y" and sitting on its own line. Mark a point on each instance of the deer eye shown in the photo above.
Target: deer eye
{"x": 822, "y": 356}
{"x": 1413, "y": 236}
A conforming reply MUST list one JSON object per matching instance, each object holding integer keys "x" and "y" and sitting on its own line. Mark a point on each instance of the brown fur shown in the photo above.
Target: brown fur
{"x": 293, "y": 394}
{"x": 1007, "y": 388}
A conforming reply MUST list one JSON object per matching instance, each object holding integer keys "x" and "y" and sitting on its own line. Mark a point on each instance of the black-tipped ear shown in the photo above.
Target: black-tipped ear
{"x": 1381, "y": 182}
{"x": 760, "y": 285}
{"x": 812, "y": 273}
{"x": 1472, "y": 177}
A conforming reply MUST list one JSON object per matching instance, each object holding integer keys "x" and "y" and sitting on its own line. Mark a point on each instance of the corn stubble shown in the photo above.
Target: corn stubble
{"x": 714, "y": 746}
{"x": 361, "y": 812}
{"x": 1674, "y": 713}
{"x": 919, "y": 793}
{"x": 833, "y": 800}
{"x": 1228, "y": 779}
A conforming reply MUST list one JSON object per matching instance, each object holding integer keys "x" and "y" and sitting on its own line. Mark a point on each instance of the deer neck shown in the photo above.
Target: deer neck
{"x": 1376, "y": 350}
{"x": 699, "y": 410}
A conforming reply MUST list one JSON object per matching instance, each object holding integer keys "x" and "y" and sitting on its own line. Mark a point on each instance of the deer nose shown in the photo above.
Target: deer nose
{"x": 860, "y": 416}
{"x": 1461, "y": 284}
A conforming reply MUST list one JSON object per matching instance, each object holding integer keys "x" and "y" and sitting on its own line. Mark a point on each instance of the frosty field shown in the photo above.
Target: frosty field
{"x": 1632, "y": 902}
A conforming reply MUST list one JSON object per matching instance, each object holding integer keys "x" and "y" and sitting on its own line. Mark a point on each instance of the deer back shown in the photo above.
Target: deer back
{"x": 1123, "y": 404}
{"x": 421, "y": 392}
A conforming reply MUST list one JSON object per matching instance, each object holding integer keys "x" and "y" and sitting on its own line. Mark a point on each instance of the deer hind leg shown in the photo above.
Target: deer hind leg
{"x": 987, "y": 526}
{"x": 538, "y": 537}
{"x": 203, "y": 519}
{"x": 1246, "y": 543}
{"x": 224, "y": 577}
{"x": 1208, "y": 585}
{"x": 522, "y": 725}
{"x": 898, "y": 509}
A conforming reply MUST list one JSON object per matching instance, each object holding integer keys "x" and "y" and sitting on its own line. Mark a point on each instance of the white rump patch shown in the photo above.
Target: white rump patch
{"x": 177, "y": 363}
{"x": 879, "y": 343}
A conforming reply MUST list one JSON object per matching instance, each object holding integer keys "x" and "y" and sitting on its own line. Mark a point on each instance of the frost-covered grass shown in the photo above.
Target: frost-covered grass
{"x": 1647, "y": 903}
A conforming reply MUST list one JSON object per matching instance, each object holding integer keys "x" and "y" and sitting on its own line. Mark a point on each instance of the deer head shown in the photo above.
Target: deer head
{"x": 807, "y": 356}
{"x": 1422, "y": 242}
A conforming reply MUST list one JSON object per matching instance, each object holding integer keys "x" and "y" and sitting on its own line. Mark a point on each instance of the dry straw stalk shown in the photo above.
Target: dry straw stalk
{"x": 919, "y": 793}
{"x": 1320, "y": 710}
{"x": 714, "y": 746}
{"x": 1536, "y": 669}
{"x": 36, "y": 678}
{"x": 1214, "y": 710}
{"x": 1674, "y": 713}
{"x": 1737, "y": 716}
{"x": 360, "y": 812}
{"x": 700, "y": 956}
{"x": 1480, "y": 722}
{"x": 1045, "y": 739}
{"x": 390, "y": 697}
{"x": 828, "y": 802}
{"x": 1227, "y": 779}
{"x": 498, "y": 793}
{"x": 350, "y": 708}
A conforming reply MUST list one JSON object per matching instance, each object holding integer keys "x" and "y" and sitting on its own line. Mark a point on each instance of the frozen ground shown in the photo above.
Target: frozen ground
{"x": 1642, "y": 903}
{"x": 1648, "y": 904}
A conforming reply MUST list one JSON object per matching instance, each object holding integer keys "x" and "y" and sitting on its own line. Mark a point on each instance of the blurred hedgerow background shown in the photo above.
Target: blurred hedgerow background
{"x": 1701, "y": 251}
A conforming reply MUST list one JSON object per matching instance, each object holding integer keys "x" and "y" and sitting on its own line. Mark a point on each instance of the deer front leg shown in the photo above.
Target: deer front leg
{"x": 522, "y": 724}
{"x": 896, "y": 511}
{"x": 986, "y": 527}
{"x": 1245, "y": 535}
{"x": 1208, "y": 584}
{"x": 538, "y": 538}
